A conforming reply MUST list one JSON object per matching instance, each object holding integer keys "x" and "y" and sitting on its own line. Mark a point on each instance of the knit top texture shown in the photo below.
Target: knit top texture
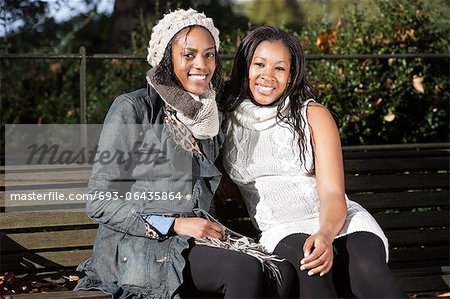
{"x": 262, "y": 156}
{"x": 206, "y": 123}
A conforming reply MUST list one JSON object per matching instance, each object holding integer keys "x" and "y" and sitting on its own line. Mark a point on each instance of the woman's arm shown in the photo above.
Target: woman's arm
{"x": 119, "y": 135}
{"x": 331, "y": 190}
{"x": 198, "y": 228}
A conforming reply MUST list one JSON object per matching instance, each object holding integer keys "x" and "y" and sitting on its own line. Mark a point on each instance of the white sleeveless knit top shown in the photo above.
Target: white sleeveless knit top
{"x": 262, "y": 156}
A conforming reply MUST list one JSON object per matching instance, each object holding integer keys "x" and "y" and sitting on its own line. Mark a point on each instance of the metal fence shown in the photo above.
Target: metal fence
{"x": 82, "y": 57}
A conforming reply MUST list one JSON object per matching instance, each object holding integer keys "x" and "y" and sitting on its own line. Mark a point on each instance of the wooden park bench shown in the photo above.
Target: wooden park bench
{"x": 405, "y": 187}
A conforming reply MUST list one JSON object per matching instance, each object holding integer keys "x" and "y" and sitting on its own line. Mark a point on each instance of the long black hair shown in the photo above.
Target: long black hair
{"x": 165, "y": 74}
{"x": 299, "y": 89}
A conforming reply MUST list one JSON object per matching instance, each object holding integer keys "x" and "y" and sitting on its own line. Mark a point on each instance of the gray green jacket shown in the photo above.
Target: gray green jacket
{"x": 125, "y": 262}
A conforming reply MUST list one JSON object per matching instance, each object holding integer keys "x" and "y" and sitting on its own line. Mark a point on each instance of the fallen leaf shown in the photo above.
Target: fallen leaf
{"x": 410, "y": 32}
{"x": 418, "y": 84}
{"x": 325, "y": 39}
{"x": 73, "y": 277}
{"x": 390, "y": 116}
{"x": 388, "y": 83}
{"x": 115, "y": 62}
{"x": 70, "y": 112}
{"x": 55, "y": 67}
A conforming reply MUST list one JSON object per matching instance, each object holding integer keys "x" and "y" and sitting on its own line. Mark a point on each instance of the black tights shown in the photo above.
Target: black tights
{"x": 359, "y": 269}
{"x": 215, "y": 270}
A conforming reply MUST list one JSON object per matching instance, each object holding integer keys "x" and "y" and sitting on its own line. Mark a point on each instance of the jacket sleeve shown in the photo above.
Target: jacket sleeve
{"x": 118, "y": 141}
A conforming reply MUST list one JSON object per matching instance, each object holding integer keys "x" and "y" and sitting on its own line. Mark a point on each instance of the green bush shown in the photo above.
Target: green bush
{"x": 377, "y": 101}
{"x": 385, "y": 100}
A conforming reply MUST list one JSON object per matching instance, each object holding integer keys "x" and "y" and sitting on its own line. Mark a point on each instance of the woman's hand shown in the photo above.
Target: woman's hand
{"x": 320, "y": 260}
{"x": 198, "y": 228}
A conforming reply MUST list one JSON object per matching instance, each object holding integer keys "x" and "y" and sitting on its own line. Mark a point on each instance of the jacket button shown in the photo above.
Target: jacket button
{"x": 124, "y": 259}
{"x": 188, "y": 196}
{"x": 161, "y": 259}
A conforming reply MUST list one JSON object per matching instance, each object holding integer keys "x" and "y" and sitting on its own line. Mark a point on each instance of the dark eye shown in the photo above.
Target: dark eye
{"x": 189, "y": 56}
{"x": 260, "y": 64}
{"x": 280, "y": 68}
{"x": 210, "y": 55}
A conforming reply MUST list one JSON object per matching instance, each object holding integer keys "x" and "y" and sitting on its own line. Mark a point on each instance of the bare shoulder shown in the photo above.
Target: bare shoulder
{"x": 324, "y": 132}
{"x": 319, "y": 116}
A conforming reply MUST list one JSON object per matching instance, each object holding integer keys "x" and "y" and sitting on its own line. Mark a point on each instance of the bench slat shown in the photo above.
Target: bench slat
{"x": 45, "y": 167}
{"x": 15, "y": 205}
{"x": 46, "y": 240}
{"x": 29, "y": 261}
{"x": 46, "y": 207}
{"x": 411, "y": 220}
{"x": 418, "y": 254}
{"x": 47, "y": 177}
{"x": 40, "y": 219}
{"x": 396, "y": 182}
{"x": 60, "y": 185}
{"x": 414, "y": 272}
{"x": 386, "y": 154}
{"x": 396, "y": 164}
{"x": 65, "y": 295}
{"x": 399, "y": 200}
{"x": 433, "y": 283}
{"x": 11, "y": 200}
{"x": 418, "y": 237}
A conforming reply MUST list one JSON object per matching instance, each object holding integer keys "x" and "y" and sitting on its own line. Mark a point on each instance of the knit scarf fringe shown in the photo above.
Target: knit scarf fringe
{"x": 237, "y": 242}
{"x": 243, "y": 244}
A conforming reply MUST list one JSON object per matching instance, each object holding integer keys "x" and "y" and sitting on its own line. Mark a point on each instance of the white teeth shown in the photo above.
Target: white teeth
{"x": 198, "y": 77}
{"x": 265, "y": 88}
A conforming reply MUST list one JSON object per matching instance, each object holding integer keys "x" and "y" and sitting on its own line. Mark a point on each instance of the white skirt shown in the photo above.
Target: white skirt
{"x": 358, "y": 220}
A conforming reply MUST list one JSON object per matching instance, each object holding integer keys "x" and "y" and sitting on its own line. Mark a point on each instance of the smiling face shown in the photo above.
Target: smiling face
{"x": 193, "y": 59}
{"x": 269, "y": 72}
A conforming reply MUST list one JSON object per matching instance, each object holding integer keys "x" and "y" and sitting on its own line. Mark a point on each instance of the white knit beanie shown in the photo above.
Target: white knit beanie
{"x": 170, "y": 25}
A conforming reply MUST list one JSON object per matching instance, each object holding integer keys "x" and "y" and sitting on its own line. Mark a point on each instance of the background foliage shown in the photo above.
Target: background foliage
{"x": 385, "y": 101}
{"x": 376, "y": 101}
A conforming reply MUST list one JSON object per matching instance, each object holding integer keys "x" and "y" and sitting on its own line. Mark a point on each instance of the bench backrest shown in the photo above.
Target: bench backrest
{"x": 44, "y": 235}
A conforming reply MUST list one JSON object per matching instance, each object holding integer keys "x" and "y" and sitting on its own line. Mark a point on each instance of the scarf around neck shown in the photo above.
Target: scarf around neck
{"x": 199, "y": 114}
{"x": 259, "y": 118}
